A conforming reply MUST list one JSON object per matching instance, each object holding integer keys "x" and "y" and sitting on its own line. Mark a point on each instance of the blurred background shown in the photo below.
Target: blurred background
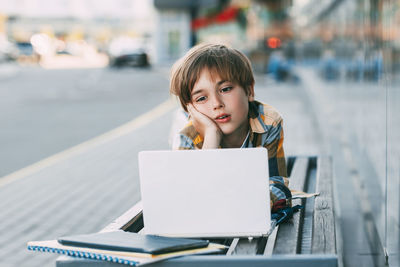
{"x": 84, "y": 87}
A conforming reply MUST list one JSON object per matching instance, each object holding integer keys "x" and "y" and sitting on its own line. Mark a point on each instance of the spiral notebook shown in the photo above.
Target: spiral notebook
{"x": 128, "y": 258}
{"x": 123, "y": 257}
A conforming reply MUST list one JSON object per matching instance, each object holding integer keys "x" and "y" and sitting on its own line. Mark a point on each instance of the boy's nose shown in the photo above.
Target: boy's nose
{"x": 217, "y": 102}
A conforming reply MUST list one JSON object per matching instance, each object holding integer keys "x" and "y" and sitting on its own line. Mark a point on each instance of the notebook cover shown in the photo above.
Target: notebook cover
{"x": 132, "y": 242}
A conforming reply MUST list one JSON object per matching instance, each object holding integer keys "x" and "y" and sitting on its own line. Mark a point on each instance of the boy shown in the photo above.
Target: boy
{"x": 215, "y": 84}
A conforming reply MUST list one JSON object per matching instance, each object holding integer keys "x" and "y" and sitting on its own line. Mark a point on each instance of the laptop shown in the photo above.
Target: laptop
{"x": 213, "y": 193}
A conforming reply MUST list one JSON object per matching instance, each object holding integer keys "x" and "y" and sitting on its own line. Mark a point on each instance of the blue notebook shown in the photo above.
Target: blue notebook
{"x": 133, "y": 242}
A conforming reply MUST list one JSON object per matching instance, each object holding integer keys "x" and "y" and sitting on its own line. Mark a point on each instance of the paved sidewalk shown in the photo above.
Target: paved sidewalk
{"x": 302, "y": 136}
{"x": 84, "y": 190}
{"x": 7, "y": 70}
{"x": 78, "y": 191}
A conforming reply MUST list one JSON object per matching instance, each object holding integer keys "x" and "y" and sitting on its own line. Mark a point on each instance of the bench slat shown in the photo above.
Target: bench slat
{"x": 131, "y": 218}
{"x": 288, "y": 239}
{"x": 269, "y": 247}
{"x": 233, "y": 246}
{"x": 323, "y": 240}
{"x": 246, "y": 246}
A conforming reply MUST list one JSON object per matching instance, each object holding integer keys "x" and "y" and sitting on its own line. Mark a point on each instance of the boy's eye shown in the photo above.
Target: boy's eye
{"x": 200, "y": 99}
{"x": 226, "y": 89}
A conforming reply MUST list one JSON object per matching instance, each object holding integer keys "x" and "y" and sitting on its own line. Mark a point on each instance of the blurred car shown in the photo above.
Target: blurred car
{"x": 25, "y": 48}
{"x": 136, "y": 58}
{"x": 23, "y": 52}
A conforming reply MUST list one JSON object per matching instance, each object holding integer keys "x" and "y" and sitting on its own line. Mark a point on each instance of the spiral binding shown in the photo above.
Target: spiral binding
{"x": 82, "y": 254}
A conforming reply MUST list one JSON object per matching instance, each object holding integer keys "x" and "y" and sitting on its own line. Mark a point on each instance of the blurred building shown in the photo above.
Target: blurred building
{"x": 174, "y": 35}
{"x": 255, "y": 27}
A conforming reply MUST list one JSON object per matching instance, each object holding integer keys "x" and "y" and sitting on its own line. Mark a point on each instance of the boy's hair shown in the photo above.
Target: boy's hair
{"x": 229, "y": 63}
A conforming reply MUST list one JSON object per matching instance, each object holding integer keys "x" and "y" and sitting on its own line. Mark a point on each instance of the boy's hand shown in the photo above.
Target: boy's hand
{"x": 207, "y": 128}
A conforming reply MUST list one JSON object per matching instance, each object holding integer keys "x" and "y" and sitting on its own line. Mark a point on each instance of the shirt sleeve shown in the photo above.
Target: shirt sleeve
{"x": 280, "y": 196}
{"x": 276, "y": 154}
{"x": 182, "y": 142}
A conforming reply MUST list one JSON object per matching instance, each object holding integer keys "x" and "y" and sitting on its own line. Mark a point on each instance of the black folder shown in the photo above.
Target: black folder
{"x": 133, "y": 242}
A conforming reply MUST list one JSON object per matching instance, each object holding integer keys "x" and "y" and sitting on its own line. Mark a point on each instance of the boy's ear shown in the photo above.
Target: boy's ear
{"x": 251, "y": 93}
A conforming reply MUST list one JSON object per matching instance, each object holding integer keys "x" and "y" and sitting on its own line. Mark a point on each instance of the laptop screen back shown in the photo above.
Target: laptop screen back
{"x": 205, "y": 193}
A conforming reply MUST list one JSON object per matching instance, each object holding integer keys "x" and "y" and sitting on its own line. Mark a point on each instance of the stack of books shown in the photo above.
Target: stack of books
{"x": 126, "y": 247}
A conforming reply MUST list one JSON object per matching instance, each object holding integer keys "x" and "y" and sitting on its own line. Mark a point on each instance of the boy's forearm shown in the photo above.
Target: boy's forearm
{"x": 212, "y": 140}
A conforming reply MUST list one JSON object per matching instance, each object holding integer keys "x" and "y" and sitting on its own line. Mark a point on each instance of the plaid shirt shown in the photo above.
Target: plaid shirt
{"x": 265, "y": 130}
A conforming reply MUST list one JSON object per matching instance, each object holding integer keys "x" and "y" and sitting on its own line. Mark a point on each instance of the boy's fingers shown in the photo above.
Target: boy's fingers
{"x": 192, "y": 110}
{"x": 189, "y": 108}
{"x": 197, "y": 115}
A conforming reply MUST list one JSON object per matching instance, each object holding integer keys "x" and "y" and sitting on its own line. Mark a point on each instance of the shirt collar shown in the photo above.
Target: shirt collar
{"x": 246, "y": 141}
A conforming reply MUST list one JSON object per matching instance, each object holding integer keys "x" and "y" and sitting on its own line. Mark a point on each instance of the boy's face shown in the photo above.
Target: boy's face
{"x": 224, "y": 102}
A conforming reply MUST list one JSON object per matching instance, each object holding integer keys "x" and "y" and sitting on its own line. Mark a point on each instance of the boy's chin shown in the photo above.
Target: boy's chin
{"x": 227, "y": 132}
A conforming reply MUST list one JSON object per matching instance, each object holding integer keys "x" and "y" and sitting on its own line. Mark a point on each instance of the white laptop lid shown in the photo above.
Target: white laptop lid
{"x": 205, "y": 193}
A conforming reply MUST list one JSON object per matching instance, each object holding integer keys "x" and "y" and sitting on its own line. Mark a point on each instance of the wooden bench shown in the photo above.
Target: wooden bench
{"x": 306, "y": 240}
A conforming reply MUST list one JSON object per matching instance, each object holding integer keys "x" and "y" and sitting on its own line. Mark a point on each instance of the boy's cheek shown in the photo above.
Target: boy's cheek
{"x": 202, "y": 110}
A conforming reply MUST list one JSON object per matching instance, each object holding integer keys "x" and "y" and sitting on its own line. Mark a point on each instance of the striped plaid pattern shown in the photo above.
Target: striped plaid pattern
{"x": 265, "y": 130}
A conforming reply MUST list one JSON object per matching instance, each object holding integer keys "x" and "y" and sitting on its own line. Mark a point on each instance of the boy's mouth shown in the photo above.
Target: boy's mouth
{"x": 223, "y": 118}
